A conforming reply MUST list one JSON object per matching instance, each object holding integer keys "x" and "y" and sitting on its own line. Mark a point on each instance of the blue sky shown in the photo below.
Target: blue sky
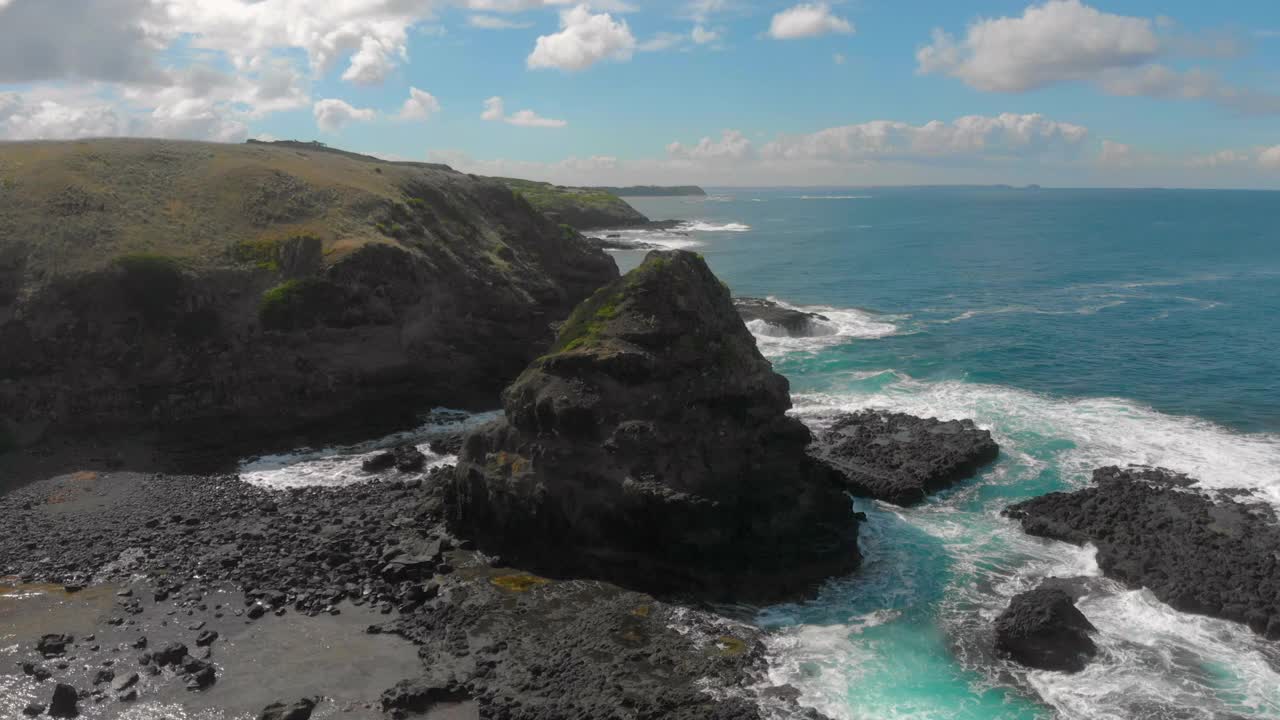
{"x": 1059, "y": 92}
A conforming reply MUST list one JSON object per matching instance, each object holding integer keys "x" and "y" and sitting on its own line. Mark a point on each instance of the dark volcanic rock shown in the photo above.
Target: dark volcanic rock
{"x": 300, "y": 710}
{"x": 1211, "y": 556}
{"x": 409, "y": 458}
{"x": 652, "y": 447}
{"x": 449, "y": 292}
{"x": 378, "y": 463}
{"x": 1042, "y": 628}
{"x": 450, "y": 444}
{"x": 795, "y": 323}
{"x": 64, "y": 702}
{"x": 901, "y": 458}
{"x": 54, "y": 644}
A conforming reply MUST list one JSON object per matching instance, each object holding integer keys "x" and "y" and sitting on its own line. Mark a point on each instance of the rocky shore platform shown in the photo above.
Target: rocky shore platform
{"x": 1207, "y": 553}
{"x": 901, "y": 458}
{"x": 159, "y": 595}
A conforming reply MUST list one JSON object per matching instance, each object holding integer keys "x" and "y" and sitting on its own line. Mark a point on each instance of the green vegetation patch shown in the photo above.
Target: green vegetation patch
{"x": 152, "y": 284}
{"x": 301, "y": 303}
{"x": 262, "y": 253}
{"x": 589, "y": 319}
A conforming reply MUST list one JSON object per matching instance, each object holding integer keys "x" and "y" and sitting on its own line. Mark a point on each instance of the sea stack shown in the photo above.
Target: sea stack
{"x": 651, "y": 447}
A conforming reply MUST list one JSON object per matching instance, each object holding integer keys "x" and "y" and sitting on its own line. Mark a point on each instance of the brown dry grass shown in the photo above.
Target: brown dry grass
{"x": 80, "y": 204}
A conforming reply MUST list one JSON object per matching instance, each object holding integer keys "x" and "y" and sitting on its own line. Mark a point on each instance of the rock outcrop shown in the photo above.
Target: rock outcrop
{"x": 157, "y": 283}
{"x": 1212, "y": 556}
{"x": 651, "y": 447}
{"x": 1043, "y": 629}
{"x": 901, "y": 458}
{"x": 782, "y": 320}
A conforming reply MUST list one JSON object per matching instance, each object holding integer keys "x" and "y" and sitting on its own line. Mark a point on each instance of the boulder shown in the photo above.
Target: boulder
{"x": 171, "y": 654}
{"x": 1207, "y": 554}
{"x": 1043, "y": 629}
{"x": 409, "y": 458}
{"x": 651, "y": 447}
{"x": 901, "y": 458}
{"x": 53, "y": 645}
{"x": 794, "y": 323}
{"x": 450, "y": 444}
{"x": 378, "y": 463}
{"x": 64, "y": 703}
{"x": 300, "y": 710}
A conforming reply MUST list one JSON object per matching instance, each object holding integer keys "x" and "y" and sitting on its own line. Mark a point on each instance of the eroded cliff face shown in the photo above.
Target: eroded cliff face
{"x": 356, "y": 283}
{"x": 651, "y": 447}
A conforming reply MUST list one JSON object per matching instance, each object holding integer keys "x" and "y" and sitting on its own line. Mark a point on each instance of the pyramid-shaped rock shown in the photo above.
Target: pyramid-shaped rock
{"x": 651, "y": 447}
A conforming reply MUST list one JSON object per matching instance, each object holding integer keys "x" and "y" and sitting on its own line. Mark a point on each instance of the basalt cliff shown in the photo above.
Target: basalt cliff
{"x": 148, "y": 282}
{"x": 651, "y": 447}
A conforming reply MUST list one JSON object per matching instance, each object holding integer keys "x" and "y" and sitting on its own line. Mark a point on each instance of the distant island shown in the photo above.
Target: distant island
{"x": 655, "y": 190}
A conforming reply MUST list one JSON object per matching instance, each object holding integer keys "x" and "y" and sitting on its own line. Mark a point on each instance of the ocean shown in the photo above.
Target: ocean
{"x": 1082, "y": 328}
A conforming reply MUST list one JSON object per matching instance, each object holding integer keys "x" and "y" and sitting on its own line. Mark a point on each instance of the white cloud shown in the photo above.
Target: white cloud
{"x": 732, "y": 147}
{"x": 702, "y": 36}
{"x": 1162, "y": 82}
{"x": 1220, "y": 159}
{"x": 333, "y": 114}
{"x": 807, "y": 20}
{"x": 80, "y": 40}
{"x": 77, "y": 116}
{"x": 1057, "y": 41}
{"x": 22, "y": 119}
{"x": 584, "y": 39}
{"x": 662, "y": 41}
{"x": 495, "y": 110}
{"x": 1116, "y": 154}
{"x": 528, "y": 118}
{"x": 1269, "y": 158}
{"x": 421, "y": 105}
{"x": 491, "y": 22}
{"x": 1005, "y": 135}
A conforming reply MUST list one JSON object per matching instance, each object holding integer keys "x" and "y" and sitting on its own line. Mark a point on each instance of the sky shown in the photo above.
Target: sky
{"x": 1123, "y": 93}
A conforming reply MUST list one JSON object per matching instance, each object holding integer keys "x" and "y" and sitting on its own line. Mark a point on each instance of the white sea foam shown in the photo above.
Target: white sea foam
{"x": 669, "y": 239}
{"x": 337, "y": 466}
{"x": 704, "y": 226}
{"x": 841, "y": 325}
{"x": 1091, "y": 431}
{"x": 831, "y": 197}
{"x": 1153, "y": 660}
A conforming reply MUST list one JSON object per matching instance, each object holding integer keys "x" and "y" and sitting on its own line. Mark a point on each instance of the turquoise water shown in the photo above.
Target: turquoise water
{"x": 1082, "y": 328}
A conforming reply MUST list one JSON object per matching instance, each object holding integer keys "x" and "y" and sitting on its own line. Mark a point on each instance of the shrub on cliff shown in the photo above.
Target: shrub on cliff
{"x": 301, "y": 303}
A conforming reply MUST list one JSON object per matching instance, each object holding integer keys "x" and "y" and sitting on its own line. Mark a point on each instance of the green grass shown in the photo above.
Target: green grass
{"x": 302, "y": 303}
{"x": 568, "y": 201}
{"x": 262, "y": 253}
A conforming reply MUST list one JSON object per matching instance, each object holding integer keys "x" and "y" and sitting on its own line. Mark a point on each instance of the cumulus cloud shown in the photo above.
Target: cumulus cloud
{"x": 80, "y": 40}
{"x": 732, "y": 147}
{"x": 421, "y": 105}
{"x": 333, "y": 114}
{"x": 1059, "y": 40}
{"x": 1116, "y": 154}
{"x": 584, "y": 39}
{"x": 807, "y": 20}
{"x": 1269, "y": 158}
{"x": 1002, "y": 135}
{"x": 662, "y": 41}
{"x": 492, "y": 22}
{"x": 495, "y": 110}
{"x": 702, "y": 36}
{"x": 1160, "y": 81}
{"x": 63, "y": 118}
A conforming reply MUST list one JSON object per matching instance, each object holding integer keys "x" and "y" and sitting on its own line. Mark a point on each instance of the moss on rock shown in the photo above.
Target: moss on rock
{"x": 301, "y": 303}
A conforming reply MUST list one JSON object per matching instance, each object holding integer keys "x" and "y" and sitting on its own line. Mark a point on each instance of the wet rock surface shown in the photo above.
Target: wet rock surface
{"x": 901, "y": 458}
{"x": 1042, "y": 628}
{"x": 246, "y": 592}
{"x": 795, "y": 323}
{"x": 652, "y": 448}
{"x": 1207, "y": 554}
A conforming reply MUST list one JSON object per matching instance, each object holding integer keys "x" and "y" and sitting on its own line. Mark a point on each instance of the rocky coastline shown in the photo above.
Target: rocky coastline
{"x": 1213, "y": 554}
